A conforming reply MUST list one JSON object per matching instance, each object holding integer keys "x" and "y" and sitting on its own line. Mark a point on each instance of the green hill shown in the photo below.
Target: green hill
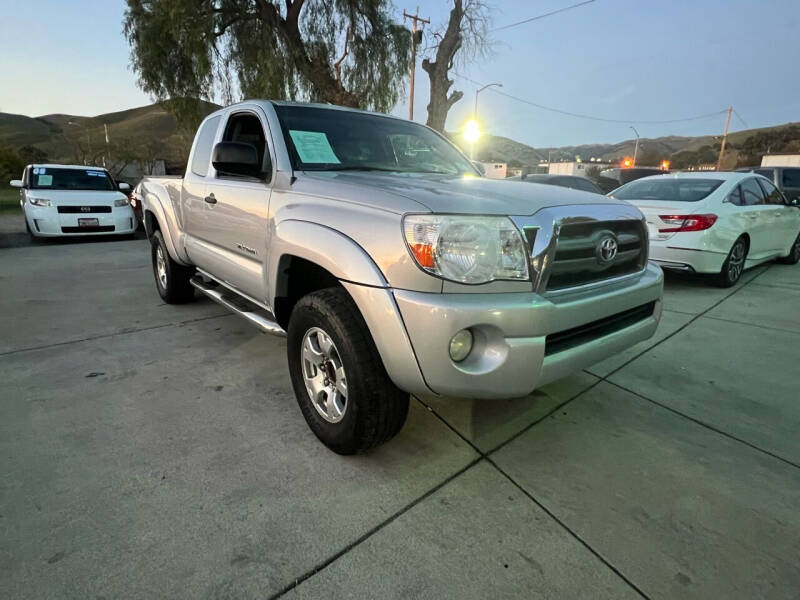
{"x": 153, "y": 131}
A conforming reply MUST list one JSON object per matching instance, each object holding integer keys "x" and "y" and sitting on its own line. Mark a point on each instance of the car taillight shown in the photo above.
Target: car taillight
{"x": 687, "y": 222}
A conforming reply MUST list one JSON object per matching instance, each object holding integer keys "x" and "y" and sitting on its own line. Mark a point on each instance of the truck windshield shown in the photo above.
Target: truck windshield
{"x": 49, "y": 178}
{"x": 668, "y": 189}
{"x": 322, "y": 139}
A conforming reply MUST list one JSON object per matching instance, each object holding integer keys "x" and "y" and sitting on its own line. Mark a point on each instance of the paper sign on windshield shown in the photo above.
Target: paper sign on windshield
{"x": 44, "y": 180}
{"x": 313, "y": 147}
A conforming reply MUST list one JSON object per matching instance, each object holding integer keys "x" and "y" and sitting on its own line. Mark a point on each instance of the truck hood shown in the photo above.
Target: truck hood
{"x": 77, "y": 197}
{"x": 445, "y": 193}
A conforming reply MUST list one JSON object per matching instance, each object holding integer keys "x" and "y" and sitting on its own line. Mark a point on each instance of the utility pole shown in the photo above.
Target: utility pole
{"x": 636, "y": 147}
{"x": 724, "y": 138}
{"x": 415, "y": 18}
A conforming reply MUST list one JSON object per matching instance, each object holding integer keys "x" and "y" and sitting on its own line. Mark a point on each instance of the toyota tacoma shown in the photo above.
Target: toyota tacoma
{"x": 392, "y": 267}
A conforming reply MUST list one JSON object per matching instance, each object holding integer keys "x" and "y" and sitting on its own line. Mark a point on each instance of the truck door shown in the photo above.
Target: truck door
{"x": 236, "y": 216}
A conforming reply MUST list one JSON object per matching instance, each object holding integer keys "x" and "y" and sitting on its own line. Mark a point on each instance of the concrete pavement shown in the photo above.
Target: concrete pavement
{"x": 157, "y": 451}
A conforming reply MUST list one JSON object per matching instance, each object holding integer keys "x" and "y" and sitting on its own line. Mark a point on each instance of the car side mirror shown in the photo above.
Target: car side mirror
{"x": 237, "y": 158}
{"x": 124, "y": 187}
{"x": 15, "y": 183}
{"x": 794, "y": 201}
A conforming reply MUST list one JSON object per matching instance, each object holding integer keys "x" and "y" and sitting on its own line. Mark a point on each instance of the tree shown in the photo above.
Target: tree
{"x": 346, "y": 52}
{"x": 464, "y": 38}
{"x": 11, "y": 165}
{"x": 32, "y": 154}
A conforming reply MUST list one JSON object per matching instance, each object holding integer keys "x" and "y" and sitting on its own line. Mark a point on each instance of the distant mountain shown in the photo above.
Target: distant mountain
{"x": 76, "y": 138}
{"x": 66, "y": 138}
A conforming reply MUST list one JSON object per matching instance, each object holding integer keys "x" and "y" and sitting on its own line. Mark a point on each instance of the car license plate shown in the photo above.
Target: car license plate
{"x": 88, "y": 223}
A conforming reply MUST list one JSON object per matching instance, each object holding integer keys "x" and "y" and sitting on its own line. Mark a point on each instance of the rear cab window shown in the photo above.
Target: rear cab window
{"x": 791, "y": 178}
{"x": 201, "y": 158}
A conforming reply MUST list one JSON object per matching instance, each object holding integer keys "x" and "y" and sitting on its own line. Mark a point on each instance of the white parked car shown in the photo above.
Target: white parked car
{"x": 64, "y": 200}
{"x": 715, "y": 222}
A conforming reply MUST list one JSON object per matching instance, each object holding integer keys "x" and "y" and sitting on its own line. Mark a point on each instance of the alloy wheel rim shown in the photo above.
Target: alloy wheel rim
{"x": 796, "y": 249}
{"x": 161, "y": 267}
{"x": 736, "y": 262}
{"x": 324, "y": 375}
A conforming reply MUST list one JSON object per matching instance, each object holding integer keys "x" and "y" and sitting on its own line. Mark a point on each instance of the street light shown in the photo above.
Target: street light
{"x": 475, "y": 118}
{"x": 636, "y": 147}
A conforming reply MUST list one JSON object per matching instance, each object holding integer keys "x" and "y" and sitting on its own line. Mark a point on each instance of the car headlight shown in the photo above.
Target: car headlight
{"x": 40, "y": 201}
{"x": 467, "y": 249}
{"x": 121, "y": 202}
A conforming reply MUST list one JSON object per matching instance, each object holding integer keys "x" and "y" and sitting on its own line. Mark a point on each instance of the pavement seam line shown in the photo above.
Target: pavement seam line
{"x": 706, "y": 425}
{"x": 767, "y": 327}
{"x": 108, "y": 335}
{"x": 365, "y": 536}
{"x": 530, "y": 496}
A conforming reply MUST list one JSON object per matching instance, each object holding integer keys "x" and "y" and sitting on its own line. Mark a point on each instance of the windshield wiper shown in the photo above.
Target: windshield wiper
{"x": 354, "y": 168}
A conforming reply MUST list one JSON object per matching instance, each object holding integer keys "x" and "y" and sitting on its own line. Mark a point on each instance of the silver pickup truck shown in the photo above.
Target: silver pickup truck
{"x": 392, "y": 266}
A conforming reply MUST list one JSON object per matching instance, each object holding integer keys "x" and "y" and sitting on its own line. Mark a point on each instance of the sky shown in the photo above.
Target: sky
{"x": 629, "y": 60}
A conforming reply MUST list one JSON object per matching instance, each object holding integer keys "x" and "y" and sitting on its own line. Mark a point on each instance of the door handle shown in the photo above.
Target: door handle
{"x": 210, "y": 199}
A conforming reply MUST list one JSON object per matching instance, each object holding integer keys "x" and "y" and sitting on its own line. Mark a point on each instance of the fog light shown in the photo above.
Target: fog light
{"x": 461, "y": 345}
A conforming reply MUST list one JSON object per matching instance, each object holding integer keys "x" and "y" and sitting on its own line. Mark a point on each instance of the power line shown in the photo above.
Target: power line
{"x": 590, "y": 117}
{"x": 536, "y": 18}
{"x": 738, "y": 116}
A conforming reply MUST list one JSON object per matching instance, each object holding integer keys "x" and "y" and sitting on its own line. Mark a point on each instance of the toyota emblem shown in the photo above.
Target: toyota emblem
{"x": 86, "y": 208}
{"x": 607, "y": 249}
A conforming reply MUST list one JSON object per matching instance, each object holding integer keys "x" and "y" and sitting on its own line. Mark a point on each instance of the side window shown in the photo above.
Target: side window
{"x": 735, "y": 197}
{"x": 773, "y": 195}
{"x": 751, "y": 192}
{"x": 768, "y": 173}
{"x": 202, "y": 149}
{"x": 791, "y": 178}
{"x": 246, "y": 128}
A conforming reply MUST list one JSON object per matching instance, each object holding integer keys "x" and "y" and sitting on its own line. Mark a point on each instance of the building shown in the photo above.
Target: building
{"x": 494, "y": 170}
{"x": 781, "y": 160}
{"x": 574, "y": 168}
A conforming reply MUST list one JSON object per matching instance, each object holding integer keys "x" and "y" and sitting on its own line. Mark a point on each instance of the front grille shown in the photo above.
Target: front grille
{"x": 99, "y": 229}
{"x": 86, "y": 210}
{"x": 578, "y": 261}
{"x": 570, "y": 338}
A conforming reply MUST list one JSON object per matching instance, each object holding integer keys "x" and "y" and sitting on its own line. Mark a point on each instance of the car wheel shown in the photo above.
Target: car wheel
{"x": 794, "y": 253}
{"x": 733, "y": 266}
{"x": 339, "y": 380}
{"x": 172, "y": 279}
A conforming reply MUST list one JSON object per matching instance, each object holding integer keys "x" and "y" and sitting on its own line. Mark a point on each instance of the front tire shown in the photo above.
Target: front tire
{"x": 794, "y": 253}
{"x": 339, "y": 380}
{"x": 733, "y": 267}
{"x": 172, "y": 279}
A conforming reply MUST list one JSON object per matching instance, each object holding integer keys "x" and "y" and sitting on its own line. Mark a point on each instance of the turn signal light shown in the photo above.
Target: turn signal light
{"x": 424, "y": 255}
{"x": 687, "y": 222}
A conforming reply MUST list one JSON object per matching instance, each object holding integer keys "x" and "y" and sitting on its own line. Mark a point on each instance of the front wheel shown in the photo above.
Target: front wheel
{"x": 733, "y": 266}
{"x": 172, "y": 279}
{"x": 794, "y": 253}
{"x": 339, "y": 380}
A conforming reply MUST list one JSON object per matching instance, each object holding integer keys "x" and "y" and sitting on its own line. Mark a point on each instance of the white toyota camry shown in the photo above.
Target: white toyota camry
{"x": 63, "y": 200}
{"x": 715, "y": 222}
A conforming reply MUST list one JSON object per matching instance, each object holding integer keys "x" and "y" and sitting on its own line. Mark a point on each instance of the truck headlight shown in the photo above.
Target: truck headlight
{"x": 40, "y": 201}
{"x": 121, "y": 202}
{"x": 467, "y": 249}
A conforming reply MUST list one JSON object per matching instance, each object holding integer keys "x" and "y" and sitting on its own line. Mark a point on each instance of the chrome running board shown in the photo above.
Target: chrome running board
{"x": 256, "y": 315}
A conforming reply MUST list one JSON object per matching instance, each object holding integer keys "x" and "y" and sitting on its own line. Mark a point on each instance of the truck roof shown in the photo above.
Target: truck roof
{"x": 310, "y": 105}
{"x": 57, "y": 166}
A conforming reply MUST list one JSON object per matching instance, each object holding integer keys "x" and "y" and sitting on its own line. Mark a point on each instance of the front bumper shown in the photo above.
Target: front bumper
{"x": 509, "y": 357}
{"x": 46, "y": 221}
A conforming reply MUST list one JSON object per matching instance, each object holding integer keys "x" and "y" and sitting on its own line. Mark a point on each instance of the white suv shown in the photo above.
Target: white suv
{"x": 64, "y": 200}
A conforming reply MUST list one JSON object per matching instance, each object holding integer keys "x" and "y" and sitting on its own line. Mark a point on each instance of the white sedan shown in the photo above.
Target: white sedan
{"x": 64, "y": 200}
{"x": 715, "y": 222}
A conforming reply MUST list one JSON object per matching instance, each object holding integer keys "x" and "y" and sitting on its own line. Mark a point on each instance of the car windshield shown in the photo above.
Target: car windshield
{"x": 49, "y": 178}
{"x": 322, "y": 139}
{"x": 668, "y": 189}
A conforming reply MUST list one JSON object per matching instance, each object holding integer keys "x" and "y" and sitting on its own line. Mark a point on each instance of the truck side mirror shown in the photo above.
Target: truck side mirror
{"x": 124, "y": 187}
{"x": 236, "y": 158}
{"x": 15, "y": 183}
